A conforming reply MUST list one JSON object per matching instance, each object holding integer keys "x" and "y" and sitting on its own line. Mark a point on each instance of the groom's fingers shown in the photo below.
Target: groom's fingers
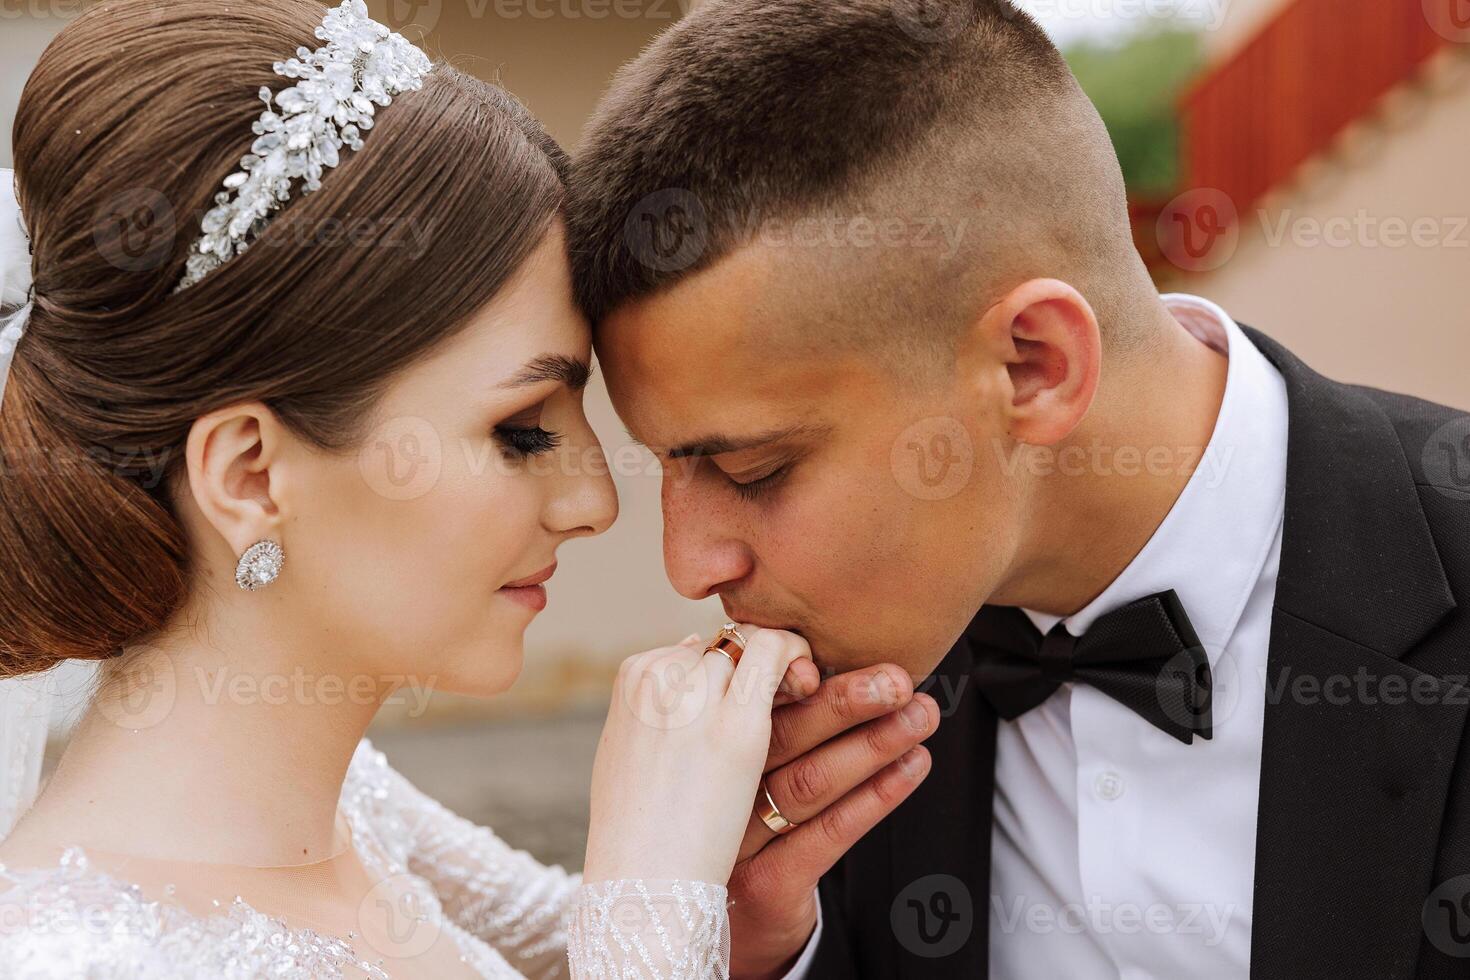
{"x": 788, "y": 868}
{"x": 801, "y": 681}
{"x": 843, "y": 701}
{"x": 804, "y": 788}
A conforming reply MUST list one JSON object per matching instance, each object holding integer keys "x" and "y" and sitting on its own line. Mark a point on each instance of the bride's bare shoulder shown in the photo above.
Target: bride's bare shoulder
{"x": 28, "y": 849}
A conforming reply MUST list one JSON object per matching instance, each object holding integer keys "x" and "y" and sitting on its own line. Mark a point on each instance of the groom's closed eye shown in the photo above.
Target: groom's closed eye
{"x": 751, "y": 482}
{"x": 751, "y": 465}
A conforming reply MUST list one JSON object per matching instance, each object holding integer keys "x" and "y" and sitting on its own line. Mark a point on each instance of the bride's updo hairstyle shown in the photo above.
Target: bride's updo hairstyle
{"x": 134, "y": 116}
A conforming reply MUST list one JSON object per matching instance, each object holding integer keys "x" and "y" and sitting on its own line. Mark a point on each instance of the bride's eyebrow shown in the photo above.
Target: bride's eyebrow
{"x": 569, "y": 371}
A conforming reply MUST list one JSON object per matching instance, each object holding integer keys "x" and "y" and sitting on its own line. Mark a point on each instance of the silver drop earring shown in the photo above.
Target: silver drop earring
{"x": 260, "y": 565}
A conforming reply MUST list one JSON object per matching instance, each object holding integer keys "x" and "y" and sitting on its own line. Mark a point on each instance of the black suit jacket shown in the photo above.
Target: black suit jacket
{"x": 1364, "y": 812}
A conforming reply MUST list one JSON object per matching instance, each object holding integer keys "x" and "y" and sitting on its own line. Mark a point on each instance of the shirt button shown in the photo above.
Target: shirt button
{"x": 1108, "y": 786}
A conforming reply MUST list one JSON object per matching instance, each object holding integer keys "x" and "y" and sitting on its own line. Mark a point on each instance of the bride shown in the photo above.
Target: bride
{"x": 284, "y": 435}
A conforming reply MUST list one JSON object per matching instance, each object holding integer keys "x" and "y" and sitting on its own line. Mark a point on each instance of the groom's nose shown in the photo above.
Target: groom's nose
{"x": 702, "y": 554}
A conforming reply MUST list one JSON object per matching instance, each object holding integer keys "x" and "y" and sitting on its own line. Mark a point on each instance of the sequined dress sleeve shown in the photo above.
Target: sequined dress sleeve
{"x": 543, "y": 920}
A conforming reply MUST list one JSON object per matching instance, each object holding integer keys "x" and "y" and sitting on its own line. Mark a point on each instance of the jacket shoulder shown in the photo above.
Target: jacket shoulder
{"x": 1435, "y": 438}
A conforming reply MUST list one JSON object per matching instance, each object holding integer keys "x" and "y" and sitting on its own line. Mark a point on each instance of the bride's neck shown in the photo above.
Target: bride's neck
{"x": 227, "y": 748}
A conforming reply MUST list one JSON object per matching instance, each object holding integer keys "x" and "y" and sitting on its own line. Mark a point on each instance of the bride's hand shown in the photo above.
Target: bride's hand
{"x": 680, "y": 759}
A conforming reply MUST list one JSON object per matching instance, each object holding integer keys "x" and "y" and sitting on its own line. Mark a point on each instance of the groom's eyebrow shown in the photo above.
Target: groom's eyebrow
{"x": 719, "y": 445}
{"x": 552, "y": 367}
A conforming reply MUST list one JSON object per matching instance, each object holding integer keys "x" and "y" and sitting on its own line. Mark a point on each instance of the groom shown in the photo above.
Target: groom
{"x": 1197, "y": 619}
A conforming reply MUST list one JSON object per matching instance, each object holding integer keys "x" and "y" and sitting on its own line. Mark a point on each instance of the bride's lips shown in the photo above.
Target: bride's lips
{"x": 529, "y": 591}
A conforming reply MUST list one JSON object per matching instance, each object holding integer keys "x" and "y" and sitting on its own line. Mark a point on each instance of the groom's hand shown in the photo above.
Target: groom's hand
{"x": 840, "y": 761}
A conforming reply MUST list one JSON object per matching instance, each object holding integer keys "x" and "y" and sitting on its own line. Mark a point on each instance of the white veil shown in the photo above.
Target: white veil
{"x": 25, "y": 702}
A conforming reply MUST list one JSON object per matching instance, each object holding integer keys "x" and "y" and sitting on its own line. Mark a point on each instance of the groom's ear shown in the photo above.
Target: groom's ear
{"x": 1044, "y": 348}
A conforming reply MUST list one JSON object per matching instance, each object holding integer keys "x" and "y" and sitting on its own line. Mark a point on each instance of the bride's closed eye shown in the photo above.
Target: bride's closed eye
{"x": 523, "y": 437}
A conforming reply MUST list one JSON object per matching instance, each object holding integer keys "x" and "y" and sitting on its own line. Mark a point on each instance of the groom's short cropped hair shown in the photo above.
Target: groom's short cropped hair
{"x": 749, "y": 117}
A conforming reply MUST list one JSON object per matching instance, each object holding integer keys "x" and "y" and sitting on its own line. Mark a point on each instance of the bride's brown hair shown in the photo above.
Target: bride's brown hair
{"x": 132, "y": 118}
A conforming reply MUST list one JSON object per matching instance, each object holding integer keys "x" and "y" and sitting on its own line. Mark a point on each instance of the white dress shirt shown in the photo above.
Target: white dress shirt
{"x": 1118, "y": 851}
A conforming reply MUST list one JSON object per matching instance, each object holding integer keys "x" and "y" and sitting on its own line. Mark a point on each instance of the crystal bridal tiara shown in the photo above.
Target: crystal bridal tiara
{"x": 361, "y": 66}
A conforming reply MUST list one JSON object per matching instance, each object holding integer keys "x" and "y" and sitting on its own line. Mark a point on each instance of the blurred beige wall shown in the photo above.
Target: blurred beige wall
{"x": 556, "y": 55}
{"x": 1362, "y": 264}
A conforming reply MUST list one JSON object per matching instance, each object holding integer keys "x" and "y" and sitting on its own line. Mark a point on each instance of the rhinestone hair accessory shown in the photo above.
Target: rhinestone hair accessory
{"x": 361, "y": 66}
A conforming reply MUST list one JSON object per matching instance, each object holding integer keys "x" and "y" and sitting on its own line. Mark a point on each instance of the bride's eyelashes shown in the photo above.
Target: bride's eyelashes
{"x": 522, "y": 436}
{"x": 522, "y": 443}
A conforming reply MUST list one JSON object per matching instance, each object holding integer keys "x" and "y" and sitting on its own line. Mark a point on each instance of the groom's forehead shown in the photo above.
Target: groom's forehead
{"x": 697, "y": 396}
{"x": 747, "y": 308}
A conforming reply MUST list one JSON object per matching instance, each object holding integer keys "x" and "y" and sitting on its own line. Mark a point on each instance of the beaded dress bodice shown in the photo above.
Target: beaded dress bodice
{"x": 440, "y": 897}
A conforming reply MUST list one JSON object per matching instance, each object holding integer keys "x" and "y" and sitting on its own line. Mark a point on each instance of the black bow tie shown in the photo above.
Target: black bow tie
{"x": 1145, "y": 656}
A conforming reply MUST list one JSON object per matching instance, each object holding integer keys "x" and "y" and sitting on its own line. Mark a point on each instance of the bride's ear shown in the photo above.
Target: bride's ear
{"x": 238, "y": 473}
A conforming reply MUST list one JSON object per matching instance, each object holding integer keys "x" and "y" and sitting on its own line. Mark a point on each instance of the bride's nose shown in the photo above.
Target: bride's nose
{"x": 583, "y": 499}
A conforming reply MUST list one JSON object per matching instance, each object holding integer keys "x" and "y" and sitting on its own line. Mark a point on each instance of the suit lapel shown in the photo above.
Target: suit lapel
{"x": 939, "y": 839}
{"x": 1358, "y": 746}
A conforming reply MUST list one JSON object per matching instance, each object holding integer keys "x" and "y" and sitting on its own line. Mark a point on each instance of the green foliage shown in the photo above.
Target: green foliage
{"x": 1135, "y": 85}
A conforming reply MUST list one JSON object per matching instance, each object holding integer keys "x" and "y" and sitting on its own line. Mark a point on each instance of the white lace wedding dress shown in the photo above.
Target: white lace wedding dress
{"x": 443, "y": 896}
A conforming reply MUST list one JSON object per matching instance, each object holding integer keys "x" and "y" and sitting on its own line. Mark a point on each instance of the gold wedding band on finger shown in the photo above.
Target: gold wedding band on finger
{"x": 729, "y": 643}
{"x": 770, "y": 814}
